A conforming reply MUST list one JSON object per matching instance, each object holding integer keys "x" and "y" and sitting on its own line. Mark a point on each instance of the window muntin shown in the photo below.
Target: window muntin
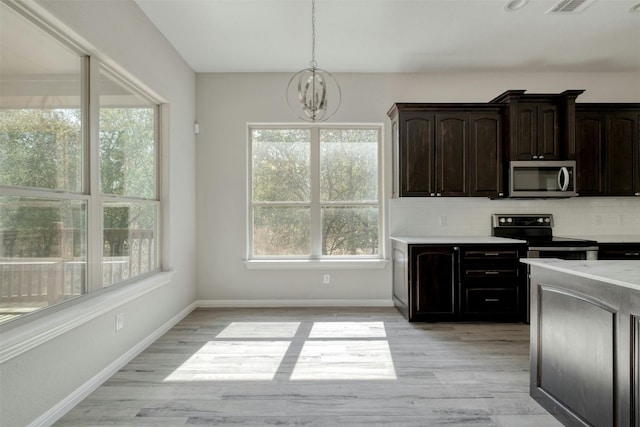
{"x": 317, "y": 196}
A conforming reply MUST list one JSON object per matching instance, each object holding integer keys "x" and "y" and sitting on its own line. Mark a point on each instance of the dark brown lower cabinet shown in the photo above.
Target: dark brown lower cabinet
{"x": 459, "y": 282}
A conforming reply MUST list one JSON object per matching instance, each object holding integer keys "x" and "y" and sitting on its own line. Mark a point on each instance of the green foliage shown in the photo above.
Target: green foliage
{"x": 41, "y": 148}
{"x": 127, "y": 152}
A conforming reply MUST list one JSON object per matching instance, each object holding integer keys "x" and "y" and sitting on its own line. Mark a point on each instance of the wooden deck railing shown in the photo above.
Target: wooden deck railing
{"x": 37, "y": 271}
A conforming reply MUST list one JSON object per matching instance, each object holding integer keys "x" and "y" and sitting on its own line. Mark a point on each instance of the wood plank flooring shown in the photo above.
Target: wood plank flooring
{"x": 321, "y": 367}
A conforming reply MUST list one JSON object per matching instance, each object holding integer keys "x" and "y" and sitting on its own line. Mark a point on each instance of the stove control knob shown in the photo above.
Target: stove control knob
{"x": 540, "y": 220}
{"x": 547, "y": 220}
{"x": 509, "y": 220}
{"x": 502, "y": 220}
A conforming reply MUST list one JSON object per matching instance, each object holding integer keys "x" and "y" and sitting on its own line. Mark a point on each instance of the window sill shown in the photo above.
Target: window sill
{"x": 60, "y": 319}
{"x": 291, "y": 264}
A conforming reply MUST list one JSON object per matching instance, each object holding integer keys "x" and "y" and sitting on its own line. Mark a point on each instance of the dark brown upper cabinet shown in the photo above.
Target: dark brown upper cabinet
{"x": 607, "y": 149}
{"x": 447, "y": 150}
{"x": 540, "y": 126}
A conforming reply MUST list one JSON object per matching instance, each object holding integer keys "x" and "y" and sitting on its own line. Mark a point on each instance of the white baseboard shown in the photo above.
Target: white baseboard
{"x": 294, "y": 303}
{"x": 64, "y": 406}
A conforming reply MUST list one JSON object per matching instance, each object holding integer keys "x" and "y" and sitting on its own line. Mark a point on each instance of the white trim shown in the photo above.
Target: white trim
{"x": 20, "y": 339}
{"x": 311, "y": 264}
{"x": 294, "y": 303}
{"x": 68, "y": 403}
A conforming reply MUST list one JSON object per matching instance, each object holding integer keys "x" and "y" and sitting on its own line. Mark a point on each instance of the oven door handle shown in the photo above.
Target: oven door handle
{"x": 563, "y": 178}
{"x": 564, "y": 249}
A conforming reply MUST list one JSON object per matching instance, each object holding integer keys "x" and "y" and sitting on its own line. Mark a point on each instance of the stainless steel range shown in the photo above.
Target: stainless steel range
{"x": 537, "y": 231}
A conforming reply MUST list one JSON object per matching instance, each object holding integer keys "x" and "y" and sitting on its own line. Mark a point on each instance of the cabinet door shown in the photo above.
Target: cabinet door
{"x": 433, "y": 283}
{"x": 537, "y": 132}
{"x": 548, "y": 147}
{"x": 485, "y": 160}
{"x": 621, "y": 133}
{"x": 417, "y": 149}
{"x": 452, "y": 154}
{"x": 590, "y": 147}
{"x": 525, "y": 147}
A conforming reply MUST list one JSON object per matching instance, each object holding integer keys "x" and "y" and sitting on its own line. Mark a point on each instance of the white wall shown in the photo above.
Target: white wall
{"x": 227, "y": 102}
{"x": 34, "y": 382}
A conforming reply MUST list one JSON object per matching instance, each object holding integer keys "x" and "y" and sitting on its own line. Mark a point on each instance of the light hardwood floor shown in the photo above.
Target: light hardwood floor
{"x": 321, "y": 367}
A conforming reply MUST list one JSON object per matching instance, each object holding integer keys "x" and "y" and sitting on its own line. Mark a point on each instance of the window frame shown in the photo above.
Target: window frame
{"x": 90, "y": 194}
{"x": 316, "y": 205}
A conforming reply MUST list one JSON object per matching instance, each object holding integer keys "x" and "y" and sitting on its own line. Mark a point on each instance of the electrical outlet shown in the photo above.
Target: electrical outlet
{"x": 119, "y": 321}
{"x": 326, "y": 279}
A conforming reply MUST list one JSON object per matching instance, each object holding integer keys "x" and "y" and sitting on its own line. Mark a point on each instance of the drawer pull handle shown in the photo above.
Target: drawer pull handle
{"x": 491, "y": 272}
{"x": 492, "y": 300}
{"x": 631, "y": 253}
{"x": 491, "y": 253}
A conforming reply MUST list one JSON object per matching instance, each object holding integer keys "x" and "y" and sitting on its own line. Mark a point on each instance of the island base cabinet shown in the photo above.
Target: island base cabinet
{"x": 585, "y": 349}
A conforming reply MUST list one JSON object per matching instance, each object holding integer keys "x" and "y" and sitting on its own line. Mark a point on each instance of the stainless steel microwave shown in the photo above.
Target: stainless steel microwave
{"x": 542, "y": 178}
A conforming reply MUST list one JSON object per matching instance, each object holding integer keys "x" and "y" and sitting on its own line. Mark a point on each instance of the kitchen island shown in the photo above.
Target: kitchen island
{"x": 585, "y": 340}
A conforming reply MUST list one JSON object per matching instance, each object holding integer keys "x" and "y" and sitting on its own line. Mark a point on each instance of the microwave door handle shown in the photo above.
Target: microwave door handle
{"x": 563, "y": 183}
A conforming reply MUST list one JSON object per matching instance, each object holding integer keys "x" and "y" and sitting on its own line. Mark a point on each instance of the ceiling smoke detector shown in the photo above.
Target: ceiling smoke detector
{"x": 570, "y": 6}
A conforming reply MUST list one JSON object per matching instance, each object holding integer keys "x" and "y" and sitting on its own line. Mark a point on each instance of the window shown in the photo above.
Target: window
{"x": 315, "y": 192}
{"x": 66, "y": 229}
{"x": 128, "y": 180}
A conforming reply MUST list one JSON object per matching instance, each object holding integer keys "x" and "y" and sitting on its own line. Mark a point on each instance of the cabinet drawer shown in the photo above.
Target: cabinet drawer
{"x": 475, "y": 254}
{"x": 491, "y": 300}
{"x": 488, "y": 273}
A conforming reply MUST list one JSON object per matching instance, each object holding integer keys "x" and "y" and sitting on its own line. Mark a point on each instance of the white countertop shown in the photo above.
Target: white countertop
{"x": 454, "y": 240}
{"x": 621, "y": 273}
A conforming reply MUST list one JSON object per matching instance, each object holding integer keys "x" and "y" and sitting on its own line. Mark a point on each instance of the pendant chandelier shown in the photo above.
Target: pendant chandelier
{"x": 313, "y": 94}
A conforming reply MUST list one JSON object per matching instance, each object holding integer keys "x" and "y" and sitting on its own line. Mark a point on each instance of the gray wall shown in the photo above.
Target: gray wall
{"x": 117, "y": 31}
{"x": 227, "y": 102}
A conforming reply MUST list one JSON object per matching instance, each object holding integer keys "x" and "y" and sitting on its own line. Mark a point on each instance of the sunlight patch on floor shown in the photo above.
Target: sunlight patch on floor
{"x": 233, "y": 361}
{"x": 255, "y": 351}
{"x": 270, "y": 330}
{"x": 348, "y": 330}
{"x": 345, "y": 360}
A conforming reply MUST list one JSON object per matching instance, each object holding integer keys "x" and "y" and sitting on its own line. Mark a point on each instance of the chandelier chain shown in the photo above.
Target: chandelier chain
{"x": 313, "y": 34}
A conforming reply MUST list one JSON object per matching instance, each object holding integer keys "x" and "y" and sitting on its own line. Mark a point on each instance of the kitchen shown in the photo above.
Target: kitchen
{"x": 209, "y": 179}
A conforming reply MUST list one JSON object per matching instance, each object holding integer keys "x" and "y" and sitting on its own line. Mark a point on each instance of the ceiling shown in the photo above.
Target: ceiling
{"x": 399, "y": 35}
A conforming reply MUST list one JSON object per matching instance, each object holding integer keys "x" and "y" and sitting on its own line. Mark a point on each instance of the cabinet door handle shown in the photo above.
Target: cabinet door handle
{"x": 492, "y": 254}
{"x": 432, "y": 194}
{"x": 631, "y": 253}
{"x": 491, "y": 273}
{"x": 535, "y": 157}
{"x": 492, "y": 300}
{"x": 541, "y": 157}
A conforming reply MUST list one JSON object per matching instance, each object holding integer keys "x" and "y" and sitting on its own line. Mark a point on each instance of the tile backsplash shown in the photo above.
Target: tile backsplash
{"x": 453, "y": 216}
